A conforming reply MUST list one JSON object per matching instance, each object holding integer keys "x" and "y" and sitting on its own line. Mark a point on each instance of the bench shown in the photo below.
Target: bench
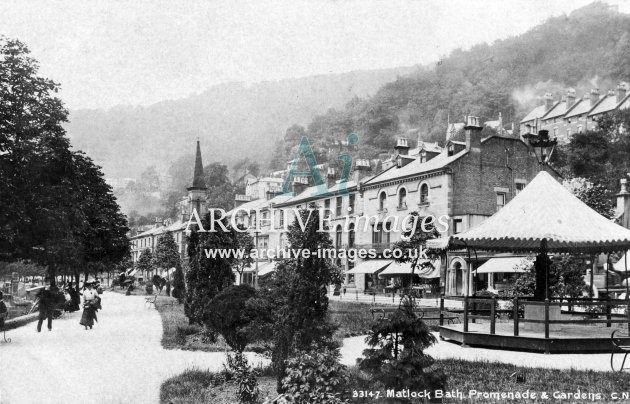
{"x": 420, "y": 312}
{"x": 620, "y": 347}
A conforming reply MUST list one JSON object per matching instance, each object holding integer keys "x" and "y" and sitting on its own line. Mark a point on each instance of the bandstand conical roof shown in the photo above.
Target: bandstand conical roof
{"x": 545, "y": 210}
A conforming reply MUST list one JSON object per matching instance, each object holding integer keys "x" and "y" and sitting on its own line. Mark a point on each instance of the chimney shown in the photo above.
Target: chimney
{"x": 299, "y": 184}
{"x": 269, "y": 195}
{"x": 623, "y": 204}
{"x": 621, "y": 92}
{"x": 241, "y": 199}
{"x": 361, "y": 169}
{"x": 473, "y": 133}
{"x": 402, "y": 145}
{"x": 549, "y": 102}
{"x": 331, "y": 177}
{"x": 570, "y": 98}
{"x": 594, "y": 96}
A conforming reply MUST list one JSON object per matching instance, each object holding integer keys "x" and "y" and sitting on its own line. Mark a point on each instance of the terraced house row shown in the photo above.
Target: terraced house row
{"x": 464, "y": 182}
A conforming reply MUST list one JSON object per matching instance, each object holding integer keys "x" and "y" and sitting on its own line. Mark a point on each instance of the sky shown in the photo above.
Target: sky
{"x": 139, "y": 52}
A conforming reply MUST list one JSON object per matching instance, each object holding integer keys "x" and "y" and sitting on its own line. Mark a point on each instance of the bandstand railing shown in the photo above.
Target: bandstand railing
{"x": 490, "y": 310}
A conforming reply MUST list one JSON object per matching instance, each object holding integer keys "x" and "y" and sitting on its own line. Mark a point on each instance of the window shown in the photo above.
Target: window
{"x": 555, "y": 132}
{"x": 457, "y": 226}
{"x": 424, "y": 194}
{"x": 327, "y": 208}
{"x": 381, "y": 201}
{"x": 580, "y": 129}
{"x": 380, "y": 234}
{"x": 351, "y": 235}
{"x": 423, "y": 157}
{"x": 351, "y": 204}
{"x": 451, "y": 149}
{"x": 402, "y": 198}
{"x": 338, "y": 205}
{"x": 500, "y": 200}
{"x": 519, "y": 187}
{"x": 282, "y": 218}
{"x": 338, "y": 237}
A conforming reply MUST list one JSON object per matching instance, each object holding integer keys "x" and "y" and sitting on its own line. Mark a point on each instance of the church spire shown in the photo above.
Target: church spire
{"x": 198, "y": 181}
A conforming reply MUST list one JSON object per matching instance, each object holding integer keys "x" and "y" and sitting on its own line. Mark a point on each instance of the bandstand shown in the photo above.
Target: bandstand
{"x": 542, "y": 219}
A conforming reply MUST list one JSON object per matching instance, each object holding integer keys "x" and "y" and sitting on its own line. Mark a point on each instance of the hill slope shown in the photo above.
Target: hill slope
{"x": 588, "y": 48}
{"x": 233, "y": 121}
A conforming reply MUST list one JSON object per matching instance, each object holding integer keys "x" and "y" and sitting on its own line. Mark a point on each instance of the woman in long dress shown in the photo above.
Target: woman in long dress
{"x": 89, "y": 306}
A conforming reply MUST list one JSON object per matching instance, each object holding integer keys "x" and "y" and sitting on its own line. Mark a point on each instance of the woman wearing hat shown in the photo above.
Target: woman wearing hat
{"x": 89, "y": 306}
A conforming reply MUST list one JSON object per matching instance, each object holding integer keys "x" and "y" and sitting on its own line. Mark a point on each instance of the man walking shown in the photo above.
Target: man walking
{"x": 47, "y": 303}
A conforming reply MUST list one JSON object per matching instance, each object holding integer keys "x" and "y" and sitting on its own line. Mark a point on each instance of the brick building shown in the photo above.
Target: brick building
{"x": 572, "y": 115}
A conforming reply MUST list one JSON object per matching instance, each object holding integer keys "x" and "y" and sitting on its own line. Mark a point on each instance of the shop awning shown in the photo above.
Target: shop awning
{"x": 438, "y": 243}
{"x": 369, "y": 267}
{"x": 432, "y": 270}
{"x": 506, "y": 265}
{"x": 166, "y": 273}
{"x": 621, "y": 264}
{"x": 266, "y": 268}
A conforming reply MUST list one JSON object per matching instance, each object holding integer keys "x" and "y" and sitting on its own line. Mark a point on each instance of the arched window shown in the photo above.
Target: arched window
{"x": 351, "y": 235}
{"x": 424, "y": 194}
{"x": 402, "y": 198}
{"x": 338, "y": 237}
{"x": 381, "y": 201}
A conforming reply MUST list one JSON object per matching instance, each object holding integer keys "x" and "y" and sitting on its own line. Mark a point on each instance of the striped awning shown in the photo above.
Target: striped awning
{"x": 438, "y": 243}
{"x": 545, "y": 210}
{"x": 369, "y": 267}
{"x": 425, "y": 269}
{"x": 267, "y": 268}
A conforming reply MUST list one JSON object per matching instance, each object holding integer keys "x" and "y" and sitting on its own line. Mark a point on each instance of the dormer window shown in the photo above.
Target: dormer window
{"x": 423, "y": 157}
{"x": 451, "y": 149}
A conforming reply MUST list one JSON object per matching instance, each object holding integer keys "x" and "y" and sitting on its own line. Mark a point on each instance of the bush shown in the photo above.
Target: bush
{"x": 227, "y": 314}
{"x": 396, "y": 359}
{"x": 245, "y": 377}
{"x": 148, "y": 287}
{"x": 316, "y": 376}
{"x": 179, "y": 285}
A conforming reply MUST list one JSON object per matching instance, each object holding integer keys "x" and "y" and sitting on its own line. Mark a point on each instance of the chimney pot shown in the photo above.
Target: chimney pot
{"x": 594, "y": 96}
{"x": 473, "y": 133}
{"x": 621, "y": 92}
{"x": 549, "y": 101}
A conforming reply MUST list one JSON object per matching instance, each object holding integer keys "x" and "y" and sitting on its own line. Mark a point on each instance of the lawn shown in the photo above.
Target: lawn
{"x": 178, "y": 334}
{"x": 201, "y": 387}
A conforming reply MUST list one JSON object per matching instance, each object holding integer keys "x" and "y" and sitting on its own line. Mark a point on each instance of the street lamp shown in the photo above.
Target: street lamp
{"x": 543, "y": 145}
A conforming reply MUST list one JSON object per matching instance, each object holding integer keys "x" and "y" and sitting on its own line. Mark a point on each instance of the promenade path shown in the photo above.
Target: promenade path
{"x": 121, "y": 360}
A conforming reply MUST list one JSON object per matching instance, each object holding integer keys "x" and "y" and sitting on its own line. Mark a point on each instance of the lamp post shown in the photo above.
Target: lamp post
{"x": 543, "y": 147}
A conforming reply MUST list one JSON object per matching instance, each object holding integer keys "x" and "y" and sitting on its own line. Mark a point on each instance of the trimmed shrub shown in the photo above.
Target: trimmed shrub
{"x": 316, "y": 376}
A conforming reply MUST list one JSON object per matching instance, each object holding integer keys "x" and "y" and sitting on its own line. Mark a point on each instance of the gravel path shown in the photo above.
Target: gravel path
{"x": 353, "y": 348}
{"x": 119, "y": 361}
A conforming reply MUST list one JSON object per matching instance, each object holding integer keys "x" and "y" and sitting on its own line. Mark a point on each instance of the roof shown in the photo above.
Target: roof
{"x": 198, "y": 180}
{"x": 248, "y": 206}
{"x": 414, "y": 168}
{"x": 535, "y": 113}
{"x": 545, "y": 210}
{"x": 557, "y": 110}
{"x": 582, "y": 106}
{"x": 175, "y": 226}
{"x": 313, "y": 193}
{"x": 505, "y": 265}
{"x": 608, "y": 103}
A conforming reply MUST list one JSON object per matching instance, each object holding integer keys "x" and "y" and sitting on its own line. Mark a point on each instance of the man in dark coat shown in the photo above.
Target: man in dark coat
{"x": 3, "y": 311}
{"x": 48, "y": 299}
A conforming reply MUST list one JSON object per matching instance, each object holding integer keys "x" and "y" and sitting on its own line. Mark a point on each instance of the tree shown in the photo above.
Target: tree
{"x": 166, "y": 253}
{"x": 145, "y": 262}
{"x": 246, "y": 243}
{"x": 206, "y": 277}
{"x": 566, "y": 278}
{"x": 597, "y": 197}
{"x": 221, "y": 192}
{"x": 56, "y": 208}
{"x": 396, "y": 358}
{"x": 179, "y": 284}
{"x": 300, "y": 294}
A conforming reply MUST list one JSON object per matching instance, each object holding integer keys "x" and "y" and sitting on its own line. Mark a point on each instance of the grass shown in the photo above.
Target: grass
{"x": 194, "y": 386}
{"x": 197, "y": 386}
{"x": 178, "y": 334}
